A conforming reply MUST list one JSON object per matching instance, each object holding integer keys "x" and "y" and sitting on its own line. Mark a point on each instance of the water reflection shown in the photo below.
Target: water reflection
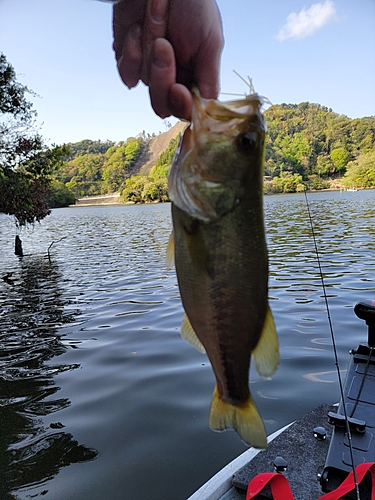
{"x": 32, "y": 309}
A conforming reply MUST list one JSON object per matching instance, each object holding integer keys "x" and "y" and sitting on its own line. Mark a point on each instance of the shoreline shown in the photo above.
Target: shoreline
{"x": 105, "y": 200}
{"x": 115, "y": 199}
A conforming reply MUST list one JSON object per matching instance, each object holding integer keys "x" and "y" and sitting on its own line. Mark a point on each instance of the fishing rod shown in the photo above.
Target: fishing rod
{"x": 349, "y": 434}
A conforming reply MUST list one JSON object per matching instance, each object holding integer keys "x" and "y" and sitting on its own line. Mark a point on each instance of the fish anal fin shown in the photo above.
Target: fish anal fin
{"x": 189, "y": 335}
{"x": 266, "y": 352}
{"x": 169, "y": 259}
{"x": 244, "y": 419}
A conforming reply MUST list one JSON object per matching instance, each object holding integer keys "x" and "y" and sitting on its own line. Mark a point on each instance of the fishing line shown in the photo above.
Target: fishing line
{"x": 334, "y": 348}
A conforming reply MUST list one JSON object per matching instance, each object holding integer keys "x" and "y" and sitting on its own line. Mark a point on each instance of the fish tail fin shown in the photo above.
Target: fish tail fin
{"x": 266, "y": 352}
{"x": 244, "y": 419}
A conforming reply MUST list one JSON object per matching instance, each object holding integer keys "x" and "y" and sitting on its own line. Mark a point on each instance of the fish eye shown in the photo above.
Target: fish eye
{"x": 247, "y": 142}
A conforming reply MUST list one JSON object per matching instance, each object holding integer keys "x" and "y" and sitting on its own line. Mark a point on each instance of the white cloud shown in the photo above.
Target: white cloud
{"x": 306, "y": 22}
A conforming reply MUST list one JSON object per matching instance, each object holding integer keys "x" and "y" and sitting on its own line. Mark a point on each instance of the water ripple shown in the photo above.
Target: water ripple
{"x": 90, "y": 350}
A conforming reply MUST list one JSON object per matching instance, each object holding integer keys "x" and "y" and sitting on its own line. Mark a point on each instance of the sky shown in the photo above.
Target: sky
{"x": 321, "y": 51}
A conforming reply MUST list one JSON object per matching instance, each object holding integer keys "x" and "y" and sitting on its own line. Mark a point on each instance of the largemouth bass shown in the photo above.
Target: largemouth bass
{"x": 219, "y": 250}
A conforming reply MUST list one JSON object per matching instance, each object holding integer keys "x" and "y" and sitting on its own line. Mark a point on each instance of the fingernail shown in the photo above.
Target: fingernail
{"x": 159, "y": 9}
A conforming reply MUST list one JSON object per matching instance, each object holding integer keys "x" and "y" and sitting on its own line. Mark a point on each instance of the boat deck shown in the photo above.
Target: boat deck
{"x": 295, "y": 442}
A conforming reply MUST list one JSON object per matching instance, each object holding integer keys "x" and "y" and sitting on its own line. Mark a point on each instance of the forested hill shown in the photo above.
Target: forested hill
{"x": 102, "y": 167}
{"x": 317, "y": 145}
{"x": 308, "y": 145}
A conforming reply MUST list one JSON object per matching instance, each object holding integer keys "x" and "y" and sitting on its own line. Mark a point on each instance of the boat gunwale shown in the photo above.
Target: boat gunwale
{"x": 221, "y": 482}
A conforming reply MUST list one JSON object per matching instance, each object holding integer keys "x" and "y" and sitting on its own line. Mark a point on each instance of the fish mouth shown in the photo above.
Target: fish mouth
{"x": 191, "y": 187}
{"x": 227, "y": 110}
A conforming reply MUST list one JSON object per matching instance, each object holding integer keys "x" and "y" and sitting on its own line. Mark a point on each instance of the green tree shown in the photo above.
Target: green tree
{"x": 286, "y": 183}
{"x": 310, "y": 139}
{"x": 363, "y": 133}
{"x": 115, "y": 169}
{"x": 155, "y": 190}
{"x": 25, "y": 191}
{"x": 295, "y": 150}
{"x": 162, "y": 189}
{"x": 60, "y": 195}
{"x": 18, "y": 138}
{"x": 361, "y": 172}
{"x": 161, "y": 168}
{"x": 120, "y": 160}
{"x": 316, "y": 182}
{"x": 88, "y": 147}
{"x": 133, "y": 149}
{"x": 339, "y": 158}
{"x": 159, "y": 171}
{"x": 154, "y": 187}
{"x": 323, "y": 165}
{"x": 165, "y": 159}
{"x": 134, "y": 187}
{"x": 83, "y": 174}
{"x": 26, "y": 164}
{"x": 95, "y": 167}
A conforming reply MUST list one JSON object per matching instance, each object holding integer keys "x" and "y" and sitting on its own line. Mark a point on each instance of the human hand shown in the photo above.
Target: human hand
{"x": 170, "y": 45}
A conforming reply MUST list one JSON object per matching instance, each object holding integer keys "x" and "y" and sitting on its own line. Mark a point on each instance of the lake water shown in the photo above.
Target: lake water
{"x": 100, "y": 398}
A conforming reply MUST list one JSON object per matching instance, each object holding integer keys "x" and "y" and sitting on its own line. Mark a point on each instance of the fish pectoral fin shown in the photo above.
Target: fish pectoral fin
{"x": 245, "y": 420}
{"x": 169, "y": 259}
{"x": 188, "y": 334}
{"x": 266, "y": 352}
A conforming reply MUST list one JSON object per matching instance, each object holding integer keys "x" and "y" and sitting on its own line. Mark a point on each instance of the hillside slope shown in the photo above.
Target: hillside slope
{"x": 154, "y": 149}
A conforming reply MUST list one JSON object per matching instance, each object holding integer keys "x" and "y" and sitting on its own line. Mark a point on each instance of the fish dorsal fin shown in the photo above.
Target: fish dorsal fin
{"x": 169, "y": 258}
{"x": 266, "y": 352}
{"x": 188, "y": 334}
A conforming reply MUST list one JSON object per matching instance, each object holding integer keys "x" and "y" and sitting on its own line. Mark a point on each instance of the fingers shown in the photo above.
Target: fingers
{"x": 167, "y": 96}
{"x": 128, "y": 18}
{"x": 170, "y": 68}
{"x": 129, "y": 64}
{"x": 155, "y": 26}
{"x": 162, "y": 76}
{"x": 180, "y": 101}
